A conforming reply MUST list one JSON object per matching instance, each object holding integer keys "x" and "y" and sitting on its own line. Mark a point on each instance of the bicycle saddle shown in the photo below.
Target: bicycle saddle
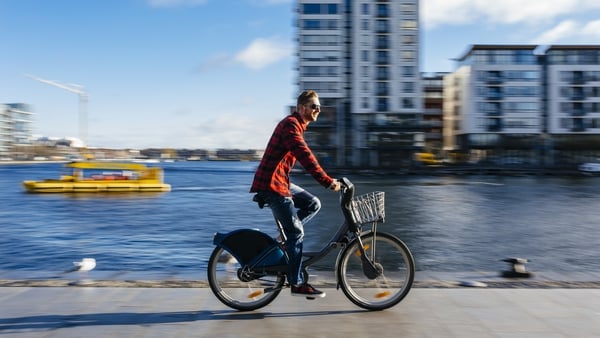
{"x": 260, "y": 200}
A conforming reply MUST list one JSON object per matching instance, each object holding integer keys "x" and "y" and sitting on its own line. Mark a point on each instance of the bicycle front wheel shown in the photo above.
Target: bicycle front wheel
{"x": 397, "y": 270}
{"x": 256, "y": 291}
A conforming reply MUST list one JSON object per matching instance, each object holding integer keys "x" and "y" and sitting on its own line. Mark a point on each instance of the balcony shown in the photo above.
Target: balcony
{"x": 578, "y": 125}
{"x": 493, "y": 113}
{"x": 495, "y": 127}
{"x": 577, "y": 97}
{"x": 382, "y": 61}
{"x": 495, "y": 96}
{"x": 494, "y": 80}
{"x": 382, "y": 92}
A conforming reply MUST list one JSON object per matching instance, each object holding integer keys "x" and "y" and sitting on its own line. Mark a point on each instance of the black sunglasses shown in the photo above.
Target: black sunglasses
{"x": 315, "y": 106}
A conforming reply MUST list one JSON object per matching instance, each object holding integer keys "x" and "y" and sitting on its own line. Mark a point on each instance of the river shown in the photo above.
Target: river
{"x": 451, "y": 223}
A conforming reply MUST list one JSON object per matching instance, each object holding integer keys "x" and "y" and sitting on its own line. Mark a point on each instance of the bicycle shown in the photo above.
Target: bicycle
{"x": 375, "y": 270}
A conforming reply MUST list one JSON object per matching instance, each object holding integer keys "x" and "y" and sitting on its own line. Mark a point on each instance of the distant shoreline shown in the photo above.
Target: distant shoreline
{"x": 32, "y": 162}
{"x": 451, "y": 170}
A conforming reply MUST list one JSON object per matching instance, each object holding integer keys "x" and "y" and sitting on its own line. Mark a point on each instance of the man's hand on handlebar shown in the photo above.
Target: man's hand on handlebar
{"x": 336, "y": 185}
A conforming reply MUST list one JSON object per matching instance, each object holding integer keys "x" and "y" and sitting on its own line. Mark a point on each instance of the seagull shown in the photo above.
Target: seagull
{"x": 85, "y": 265}
{"x": 82, "y": 268}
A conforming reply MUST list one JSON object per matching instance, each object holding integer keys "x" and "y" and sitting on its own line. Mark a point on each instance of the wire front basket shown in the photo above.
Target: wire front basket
{"x": 369, "y": 207}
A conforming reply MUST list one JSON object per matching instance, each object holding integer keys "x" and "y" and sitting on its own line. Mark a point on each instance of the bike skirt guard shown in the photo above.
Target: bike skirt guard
{"x": 252, "y": 248}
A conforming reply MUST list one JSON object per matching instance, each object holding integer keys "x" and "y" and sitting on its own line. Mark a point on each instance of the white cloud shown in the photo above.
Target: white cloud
{"x": 570, "y": 31}
{"x": 259, "y": 54}
{"x": 592, "y": 29}
{"x": 263, "y": 52}
{"x": 175, "y": 3}
{"x": 561, "y": 31}
{"x": 463, "y": 12}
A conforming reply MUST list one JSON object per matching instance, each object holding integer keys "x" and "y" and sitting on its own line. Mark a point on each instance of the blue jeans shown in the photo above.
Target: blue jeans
{"x": 293, "y": 212}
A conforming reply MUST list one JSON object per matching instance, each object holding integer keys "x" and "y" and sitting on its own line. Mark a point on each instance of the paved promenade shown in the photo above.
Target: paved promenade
{"x": 92, "y": 312}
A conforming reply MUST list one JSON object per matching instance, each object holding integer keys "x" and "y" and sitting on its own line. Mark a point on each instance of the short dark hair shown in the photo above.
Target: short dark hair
{"x": 305, "y": 96}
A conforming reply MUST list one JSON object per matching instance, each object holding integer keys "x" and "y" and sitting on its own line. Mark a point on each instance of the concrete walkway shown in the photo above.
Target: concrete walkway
{"x": 194, "y": 312}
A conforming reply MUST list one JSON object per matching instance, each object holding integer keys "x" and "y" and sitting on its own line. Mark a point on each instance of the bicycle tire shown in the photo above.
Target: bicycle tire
{"x": 391, "y": 286}
{"x": 241, "y": 295}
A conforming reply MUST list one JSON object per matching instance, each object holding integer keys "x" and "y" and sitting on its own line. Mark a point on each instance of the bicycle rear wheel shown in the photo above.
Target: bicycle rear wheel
{"x": 225, "y": 283}
{"x": 394, "y": 260}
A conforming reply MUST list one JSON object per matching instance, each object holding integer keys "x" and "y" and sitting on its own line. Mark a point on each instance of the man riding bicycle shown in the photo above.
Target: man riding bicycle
{"x": 291, "y": 205}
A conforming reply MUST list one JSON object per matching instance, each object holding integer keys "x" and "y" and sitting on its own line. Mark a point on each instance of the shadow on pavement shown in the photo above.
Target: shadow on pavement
{"x": 49, "y": 322}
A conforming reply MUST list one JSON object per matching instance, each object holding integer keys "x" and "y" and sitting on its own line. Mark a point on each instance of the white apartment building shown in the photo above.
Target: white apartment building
{"x": 15, "y": 127}
{"x": 363, "y": 59}
{"x": 540, "y": 105}
{"x": 494, "y": 96}
{"x": 573, "y": 89}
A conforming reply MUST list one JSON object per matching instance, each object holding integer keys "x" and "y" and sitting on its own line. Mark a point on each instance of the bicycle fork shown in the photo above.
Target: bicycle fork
{"x": 371, "y": 269}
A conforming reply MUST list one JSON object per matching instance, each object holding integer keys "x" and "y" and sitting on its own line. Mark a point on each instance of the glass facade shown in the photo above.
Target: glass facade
{"x": 542, "y": 105}
{"x": 363, "y": 58}
{"x": 15, "y": 127}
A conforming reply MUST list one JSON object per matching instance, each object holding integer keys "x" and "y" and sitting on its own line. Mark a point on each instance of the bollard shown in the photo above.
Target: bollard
{"x": 518, "y": 268}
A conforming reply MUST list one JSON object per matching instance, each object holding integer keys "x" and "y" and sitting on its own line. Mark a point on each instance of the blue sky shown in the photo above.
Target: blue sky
{"x": 216, "y": 73}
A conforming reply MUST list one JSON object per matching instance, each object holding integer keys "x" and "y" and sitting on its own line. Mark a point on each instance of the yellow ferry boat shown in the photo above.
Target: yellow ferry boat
{"x": 102, "y": 177}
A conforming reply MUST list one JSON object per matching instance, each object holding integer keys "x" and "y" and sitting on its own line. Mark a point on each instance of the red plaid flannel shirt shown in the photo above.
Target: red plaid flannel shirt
{"x": 285, "y": 147}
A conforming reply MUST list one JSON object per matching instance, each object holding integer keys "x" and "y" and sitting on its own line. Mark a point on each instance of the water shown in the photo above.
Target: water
{"x": 451, "y": 224}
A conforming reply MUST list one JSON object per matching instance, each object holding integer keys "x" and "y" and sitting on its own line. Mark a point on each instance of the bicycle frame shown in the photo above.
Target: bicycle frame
{"x": 373, "y": 280}
{"x": 254, "y": 264}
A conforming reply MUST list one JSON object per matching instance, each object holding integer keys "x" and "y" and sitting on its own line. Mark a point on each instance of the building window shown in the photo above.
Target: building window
{"x": 311, "y": 9}
{"x": 365, "y": 71}
{"x": 382, "y": 73}
{"x": 408, "y": 71}
{"x": 320, "y": 9}
{"x": 408, "y": 87}
{"x": 320, "y": 40}
{"x": 382, "y": 89}
{"x": 383, "y": 10}
{"x": 382, "y": 26}
{"x": 382, "y": 104}
{"x": 383, "y": 42}
{"x": 311, "y": 24}
{"x": 382, "y": 57}
{"x": 408, "y": 24}
{"x": 365, "y": 86}
{"x": 365, "y": 24}
{"x": 525, "y": 57}
{"x": 365, "y": 103}
{"x": 407, "y": 102}
{"x": 364, "y": 9}
{"x": 320, "y": 71}
{"x": 332, "y": 9}
{"x": 315, "y": 55}
{"x": 407, "y": 55}
{"x": 364, "y": 55}
{"x": 408, "y": 39}
{"x": 408, "y": 8}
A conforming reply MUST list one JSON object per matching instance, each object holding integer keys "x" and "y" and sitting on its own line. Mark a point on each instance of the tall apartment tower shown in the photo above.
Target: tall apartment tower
{"x": 362, "y": 57}
{"x": 15, "y": 127}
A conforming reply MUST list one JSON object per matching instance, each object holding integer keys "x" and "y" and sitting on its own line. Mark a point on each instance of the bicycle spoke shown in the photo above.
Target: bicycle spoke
{"x": 242, "y": 295}
{"x": 394, "y": 280}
